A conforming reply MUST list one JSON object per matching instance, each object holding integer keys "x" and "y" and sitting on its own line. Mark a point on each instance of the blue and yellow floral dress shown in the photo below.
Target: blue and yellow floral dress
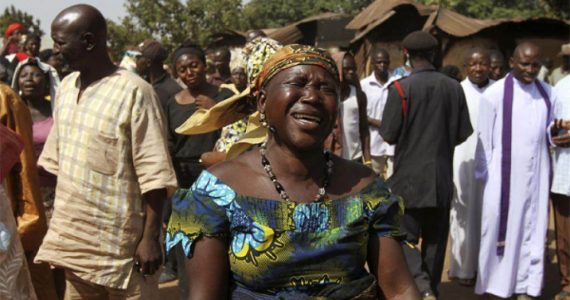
{"x": 286, "y": 248}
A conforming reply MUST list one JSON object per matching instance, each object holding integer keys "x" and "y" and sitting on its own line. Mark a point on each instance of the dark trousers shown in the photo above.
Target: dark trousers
{"x": 432, "y": 226}
{"x": 186, "y": 173}
{"x": 561, "y": 205}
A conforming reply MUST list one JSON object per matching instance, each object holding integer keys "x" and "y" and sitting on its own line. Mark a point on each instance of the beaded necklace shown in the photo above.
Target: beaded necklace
{"x": 321, "y": 194}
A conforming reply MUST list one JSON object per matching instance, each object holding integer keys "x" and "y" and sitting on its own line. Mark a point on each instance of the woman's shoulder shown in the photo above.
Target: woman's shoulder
{"x": 236, "y": 172}
{"x": 351, "y": 178}
{"x": 181, "y": 93}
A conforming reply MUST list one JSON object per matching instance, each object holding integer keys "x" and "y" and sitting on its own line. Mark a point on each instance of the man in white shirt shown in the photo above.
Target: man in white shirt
{"x": 375, "y": 87}
{"x": 560, "y": 190}
{"x": 465, "y": 215}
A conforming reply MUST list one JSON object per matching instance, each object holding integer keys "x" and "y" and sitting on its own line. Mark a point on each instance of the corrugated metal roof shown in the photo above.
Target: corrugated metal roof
{"x": 379, "y": 8}
{"x": 269, "y": 31}
{"x": 446, "y": 20}
{"x": 326, "y": 15}
{"x": 286, "y": 35}
{"x": 290, "y": 33}
{"x": 456, "y": 24}
{"x": 371, "y": 26}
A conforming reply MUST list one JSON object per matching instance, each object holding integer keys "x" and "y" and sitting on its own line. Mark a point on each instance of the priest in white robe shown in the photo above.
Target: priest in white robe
{"x": 512, "y": 160}
{"x": 465, "y": 215}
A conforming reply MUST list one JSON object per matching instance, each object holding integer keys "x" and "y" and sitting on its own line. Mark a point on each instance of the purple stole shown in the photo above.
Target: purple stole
{"x": 506, "y": 156}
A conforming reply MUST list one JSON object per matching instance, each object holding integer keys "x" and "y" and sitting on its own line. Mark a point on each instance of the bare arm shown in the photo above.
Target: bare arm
{"x": 374, "y": 122}
{"x": 561, "y": 140}
{"x": 149, "y": 251}
{"x": 208, "y": 270}
{"x": 387, "y": 263}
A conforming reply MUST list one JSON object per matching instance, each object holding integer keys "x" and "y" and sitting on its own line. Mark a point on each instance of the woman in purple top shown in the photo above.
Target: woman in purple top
{"x": 36, "y": 83}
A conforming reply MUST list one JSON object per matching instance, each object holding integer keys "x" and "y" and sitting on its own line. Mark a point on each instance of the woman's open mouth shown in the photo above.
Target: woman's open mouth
{"x": 307, "y": 118}
{"x": 307, "y": 121}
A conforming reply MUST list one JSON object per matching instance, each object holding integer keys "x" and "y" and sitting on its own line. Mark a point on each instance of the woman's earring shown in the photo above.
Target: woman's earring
{"x": 263, "y": 120}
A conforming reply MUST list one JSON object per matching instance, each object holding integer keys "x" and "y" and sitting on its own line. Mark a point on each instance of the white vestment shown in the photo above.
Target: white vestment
{"x": 350, "y": 120}
{"x": 465, "y": 214}
{"x": 520, "y": 270}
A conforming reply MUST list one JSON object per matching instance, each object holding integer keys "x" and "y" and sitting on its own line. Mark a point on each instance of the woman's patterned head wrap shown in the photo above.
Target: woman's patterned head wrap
{"x": 256, "y": 54}
{"x": 294, "y": 55}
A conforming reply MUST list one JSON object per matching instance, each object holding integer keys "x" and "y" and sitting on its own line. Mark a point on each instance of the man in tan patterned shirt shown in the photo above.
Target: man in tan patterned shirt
{"x": 109, "y": 151}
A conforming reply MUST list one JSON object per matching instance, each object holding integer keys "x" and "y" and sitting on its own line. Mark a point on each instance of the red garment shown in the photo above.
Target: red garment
{"x": 13, "y": 27}
{"x": 21, "y": 56}
{"x": 12, "y": 48}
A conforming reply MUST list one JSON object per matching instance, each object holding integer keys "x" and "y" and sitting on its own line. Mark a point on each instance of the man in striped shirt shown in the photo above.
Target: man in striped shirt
{"x": 109, "y": 151}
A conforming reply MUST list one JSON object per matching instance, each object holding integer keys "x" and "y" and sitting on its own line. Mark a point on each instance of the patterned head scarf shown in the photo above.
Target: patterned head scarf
{"x": 256, "y": 53}
{"x": 294, "y": 55}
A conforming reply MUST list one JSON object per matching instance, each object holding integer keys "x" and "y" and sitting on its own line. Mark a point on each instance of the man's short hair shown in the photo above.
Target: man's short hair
{"x": 153, "y": 50}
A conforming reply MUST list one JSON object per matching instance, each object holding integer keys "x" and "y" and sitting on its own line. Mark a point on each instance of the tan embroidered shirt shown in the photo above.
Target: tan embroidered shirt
{"x": 107, "y": 147}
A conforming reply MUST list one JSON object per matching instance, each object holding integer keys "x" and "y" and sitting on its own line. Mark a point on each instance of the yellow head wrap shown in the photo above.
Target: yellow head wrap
{"x": 285, "y": 58}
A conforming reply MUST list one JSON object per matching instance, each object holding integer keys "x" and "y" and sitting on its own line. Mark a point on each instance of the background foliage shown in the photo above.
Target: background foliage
{"x": 492, "y": 9}
{"x": 173, "y": 21}
{"x": 11, "y": 15}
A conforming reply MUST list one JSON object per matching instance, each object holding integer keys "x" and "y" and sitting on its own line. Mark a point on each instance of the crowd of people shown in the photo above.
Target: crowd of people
{"x": 274, "y": 172}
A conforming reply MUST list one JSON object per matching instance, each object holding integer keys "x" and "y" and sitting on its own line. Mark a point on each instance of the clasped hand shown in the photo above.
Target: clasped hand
{"x": 560, "y": 133}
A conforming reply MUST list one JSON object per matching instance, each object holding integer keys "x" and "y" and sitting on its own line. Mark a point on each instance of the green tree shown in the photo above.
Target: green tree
{"x": 173, "y": 21}
{"x": 208, "y": 17}
{"x": 492, "y": 9}
{"x": 165, "y": 19}
{"x": 270, "y": 14}
{"x": 124, "y": 36}
{"x": 277, "y": 13}
{"x": 11, "y": 15}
